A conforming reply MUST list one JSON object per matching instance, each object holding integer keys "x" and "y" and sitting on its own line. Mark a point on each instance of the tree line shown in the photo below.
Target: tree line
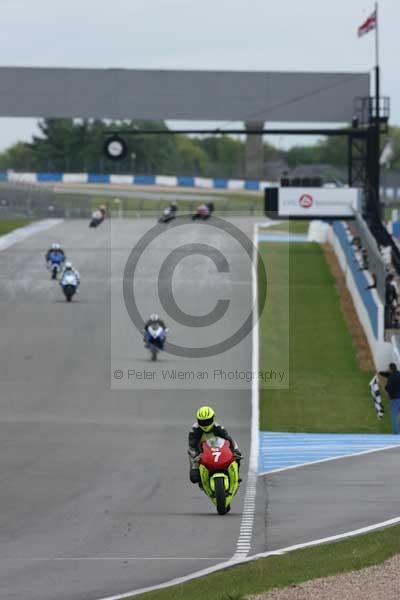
{"x": 66, "y": 145}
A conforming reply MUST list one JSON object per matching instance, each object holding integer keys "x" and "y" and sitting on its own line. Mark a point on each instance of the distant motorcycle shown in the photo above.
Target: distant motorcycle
{"x": 69, "y": 285}
{"x": 219, "y": 473}
{"x": 168, "y": 214}
{"x": 154, "y": 338}
{"x": 97, "y": 217}
{"x": 55, "y": 264}
{"x": 95, "y": 222}
{"x": 203, "y": 211}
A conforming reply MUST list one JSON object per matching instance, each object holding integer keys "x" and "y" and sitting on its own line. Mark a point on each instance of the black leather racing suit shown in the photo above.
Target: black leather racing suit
{"x": 197, "y": 436}
{"x": 156, "y": 323}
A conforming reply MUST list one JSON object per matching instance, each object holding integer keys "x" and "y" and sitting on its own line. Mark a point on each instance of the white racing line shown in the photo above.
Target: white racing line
{"x": 243, "y": 545}
{"x": 8, "y": 240}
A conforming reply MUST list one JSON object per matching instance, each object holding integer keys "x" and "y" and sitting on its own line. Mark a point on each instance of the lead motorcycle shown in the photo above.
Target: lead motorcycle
{"x": 219, "y": 473}
{"x": 154, "y": 338}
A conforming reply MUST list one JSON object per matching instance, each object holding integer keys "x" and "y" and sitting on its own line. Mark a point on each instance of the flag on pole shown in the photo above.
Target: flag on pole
{"x": 376, "y": 396}
{"x": 387, "y": 154}
{"x": 368, "y": 25}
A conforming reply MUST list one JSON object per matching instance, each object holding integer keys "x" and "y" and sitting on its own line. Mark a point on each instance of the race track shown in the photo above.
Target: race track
{"x": 95, "y": 497}
{"x": 327, "y": 499}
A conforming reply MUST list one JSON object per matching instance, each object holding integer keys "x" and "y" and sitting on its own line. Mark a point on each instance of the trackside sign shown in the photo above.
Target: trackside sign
{"x": 311, "y": 203}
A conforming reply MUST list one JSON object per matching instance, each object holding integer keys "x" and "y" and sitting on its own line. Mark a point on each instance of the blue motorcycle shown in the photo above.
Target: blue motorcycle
{"x": 55, "y": 263}
{"x": 154, "y": 338}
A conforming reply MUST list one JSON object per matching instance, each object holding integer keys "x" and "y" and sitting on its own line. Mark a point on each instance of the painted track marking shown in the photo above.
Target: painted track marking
{"x": 285, "y": 451}
{"x": 243, "y": 545}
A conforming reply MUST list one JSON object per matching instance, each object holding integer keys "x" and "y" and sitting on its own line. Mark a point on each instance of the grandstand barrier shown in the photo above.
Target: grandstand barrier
{"x": 161, "y": 180}
{"x": 395, "y": 225}
{"x": 396, "y": 350}
{"x": 368, "y": 305}
{"x": 375, "y": 261}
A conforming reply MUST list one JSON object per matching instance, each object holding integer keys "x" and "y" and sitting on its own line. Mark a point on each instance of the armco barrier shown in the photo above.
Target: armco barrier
{"x": 145, "y": 179}
{"x": 370, "y": 309}
{"x": 162, "y": 180}
{"x": 49, "y": 177}
{"x": 252, "y": 185}
{"x": 94, "y": 178}
{"x": 186, "y": 181}
{"x": 220, "y": 184}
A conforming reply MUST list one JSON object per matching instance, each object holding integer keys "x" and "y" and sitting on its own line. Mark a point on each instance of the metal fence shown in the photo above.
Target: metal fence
{"x": 40, "y": 201}
{"x": 35, "y": 201}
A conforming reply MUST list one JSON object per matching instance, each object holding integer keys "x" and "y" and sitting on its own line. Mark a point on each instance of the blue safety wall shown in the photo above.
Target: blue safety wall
{"x": 181, "y": 181}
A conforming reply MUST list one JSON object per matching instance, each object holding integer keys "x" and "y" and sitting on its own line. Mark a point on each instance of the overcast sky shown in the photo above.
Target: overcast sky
{"x": 209, "y": 34}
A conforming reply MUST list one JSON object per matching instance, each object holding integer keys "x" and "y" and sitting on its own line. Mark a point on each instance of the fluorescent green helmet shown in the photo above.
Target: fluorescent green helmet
{"x": 206, "y": 418}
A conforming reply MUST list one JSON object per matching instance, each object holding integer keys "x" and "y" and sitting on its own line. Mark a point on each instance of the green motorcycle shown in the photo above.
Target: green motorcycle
{"x": 219, "y": 473}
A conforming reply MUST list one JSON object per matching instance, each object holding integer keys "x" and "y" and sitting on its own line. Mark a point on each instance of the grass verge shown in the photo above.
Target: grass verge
{"x": 293, "y": 568}
{"x": 328, "y": 391}
{"x": 224, "y": 203}
{"x": 291, "y": 226}
{"x": 7, "y": 226}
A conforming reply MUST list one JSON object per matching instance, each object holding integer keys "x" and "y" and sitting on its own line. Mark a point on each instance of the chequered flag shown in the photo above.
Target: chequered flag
{"x": 376, "y": 396}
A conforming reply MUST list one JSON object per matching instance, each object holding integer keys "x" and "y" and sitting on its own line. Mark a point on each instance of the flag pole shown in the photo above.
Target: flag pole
{"x": 377, "y": 69}
{"x": 376, "y": 35}
{"x": 377, "y": 144}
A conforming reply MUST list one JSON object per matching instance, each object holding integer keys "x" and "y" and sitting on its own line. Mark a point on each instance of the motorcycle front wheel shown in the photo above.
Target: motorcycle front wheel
{"x": 220, "y": 495}
{"x": 68, "y": 292}
{"x": 153, "y": 354}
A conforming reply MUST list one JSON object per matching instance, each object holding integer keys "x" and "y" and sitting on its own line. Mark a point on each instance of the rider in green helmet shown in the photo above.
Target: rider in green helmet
{"x": 203, "y": 429}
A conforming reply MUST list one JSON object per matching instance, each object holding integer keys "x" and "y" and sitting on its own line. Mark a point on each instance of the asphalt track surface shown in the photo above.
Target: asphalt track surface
{"x": 95, "y": 497}
{"x": 327, "y": 499}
